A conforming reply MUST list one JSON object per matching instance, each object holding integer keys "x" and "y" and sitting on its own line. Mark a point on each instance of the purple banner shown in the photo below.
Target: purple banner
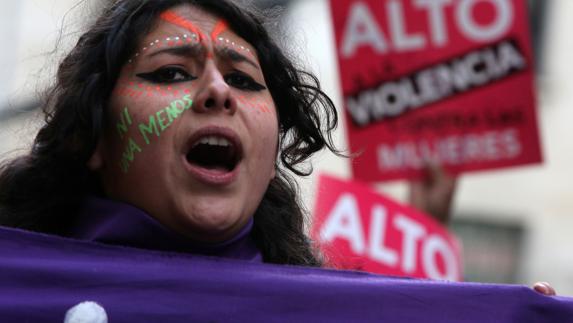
{"x": 42, "y": 277}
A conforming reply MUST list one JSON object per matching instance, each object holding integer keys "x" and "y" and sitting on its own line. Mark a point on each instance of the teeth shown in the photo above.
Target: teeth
{"x": 223, "y": 142}
{"x": 214, "y": 141}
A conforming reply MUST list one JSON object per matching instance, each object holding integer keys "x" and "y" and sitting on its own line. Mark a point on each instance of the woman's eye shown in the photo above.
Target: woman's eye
{"x": 243, "y": 82}
{"x": 167, "y": 75}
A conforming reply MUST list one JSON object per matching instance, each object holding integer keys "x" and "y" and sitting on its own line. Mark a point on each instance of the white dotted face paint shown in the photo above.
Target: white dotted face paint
{"x": 156, "y": 43}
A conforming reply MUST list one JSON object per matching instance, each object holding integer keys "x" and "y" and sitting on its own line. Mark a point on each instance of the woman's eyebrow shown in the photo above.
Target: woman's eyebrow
{"x": 197, "y": 50}
{"x": 189, "y": 50}
{"x": 234, "y": 56}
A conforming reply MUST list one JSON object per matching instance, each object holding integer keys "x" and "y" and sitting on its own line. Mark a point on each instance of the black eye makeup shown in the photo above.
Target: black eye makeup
{"x": 242, "y": 81}
{"x": 167, "y": 75}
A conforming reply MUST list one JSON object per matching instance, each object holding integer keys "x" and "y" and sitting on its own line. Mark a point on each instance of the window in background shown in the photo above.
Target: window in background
{"x": 491, "y": 250}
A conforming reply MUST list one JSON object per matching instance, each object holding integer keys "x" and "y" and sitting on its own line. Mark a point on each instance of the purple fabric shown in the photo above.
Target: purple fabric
{"x": 118, "y": 223}
{"x": 124, "y": 260}
{"x": 42, "y": 276}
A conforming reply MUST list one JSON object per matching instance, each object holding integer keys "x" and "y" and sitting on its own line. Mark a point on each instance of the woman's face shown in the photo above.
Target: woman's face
{"x": 192, "y": 130}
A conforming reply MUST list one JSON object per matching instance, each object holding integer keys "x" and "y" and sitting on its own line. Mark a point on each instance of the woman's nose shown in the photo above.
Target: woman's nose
{"x": 214, "y": 94}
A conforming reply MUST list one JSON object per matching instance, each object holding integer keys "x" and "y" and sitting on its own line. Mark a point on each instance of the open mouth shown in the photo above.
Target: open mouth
{"x": 214, "y": 152}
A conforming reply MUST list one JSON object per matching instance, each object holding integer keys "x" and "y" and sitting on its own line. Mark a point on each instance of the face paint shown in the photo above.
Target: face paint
{"x": 221, "y": 42}
{"x": 158, "y": 122}
{"x": 129, "y": 154}
{"x": 164, "y": 118}
{"x": 170, "y": 41}
{"x": 220, "y": 27}
{"x": 175, "y": 19}
{"x": 260, "y": 107}
{"x": 141, "y": 91}
{"x": 124, "y": 122}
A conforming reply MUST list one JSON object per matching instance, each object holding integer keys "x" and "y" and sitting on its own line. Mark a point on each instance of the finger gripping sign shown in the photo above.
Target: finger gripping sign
{"x": 447, "y": 81}
{"x": 357, "y": 228}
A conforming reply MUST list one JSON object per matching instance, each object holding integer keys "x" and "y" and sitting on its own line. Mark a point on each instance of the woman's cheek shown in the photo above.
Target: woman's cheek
{"x": 268, "y": 123}
{"x": 256, "y": 105}
{"x": 140, "y": 91}
{"x": 138, "y": 126}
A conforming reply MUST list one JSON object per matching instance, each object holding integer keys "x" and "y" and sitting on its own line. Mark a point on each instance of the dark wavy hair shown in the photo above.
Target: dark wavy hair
{"x": 42, "y": 190}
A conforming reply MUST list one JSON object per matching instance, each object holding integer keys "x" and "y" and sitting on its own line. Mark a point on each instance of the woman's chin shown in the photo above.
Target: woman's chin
{"x": 211, "y": 226}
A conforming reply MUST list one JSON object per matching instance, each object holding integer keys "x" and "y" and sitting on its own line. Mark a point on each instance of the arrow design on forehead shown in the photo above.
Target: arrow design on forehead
{"x": 220, "y": 27}
{"x": 177, "y": 20}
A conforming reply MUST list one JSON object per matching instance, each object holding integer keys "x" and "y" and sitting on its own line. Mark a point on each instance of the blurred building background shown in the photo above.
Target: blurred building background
{"x": 516, "y": 224}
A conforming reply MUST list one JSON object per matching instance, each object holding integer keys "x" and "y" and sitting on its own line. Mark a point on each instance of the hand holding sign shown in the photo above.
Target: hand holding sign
{"x": 433, "y": 194}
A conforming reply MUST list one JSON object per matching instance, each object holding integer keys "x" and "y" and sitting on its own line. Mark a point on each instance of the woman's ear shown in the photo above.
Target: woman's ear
{"x": 95, "y": 162}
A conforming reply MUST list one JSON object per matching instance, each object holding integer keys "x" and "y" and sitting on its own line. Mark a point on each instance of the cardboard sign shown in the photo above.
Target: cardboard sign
{"x": 357, "y": 228}
{"x": 447, "y": 81}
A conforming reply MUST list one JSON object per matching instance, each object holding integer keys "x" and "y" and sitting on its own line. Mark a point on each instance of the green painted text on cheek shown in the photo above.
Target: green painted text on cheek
{"x": 154, "y": 125}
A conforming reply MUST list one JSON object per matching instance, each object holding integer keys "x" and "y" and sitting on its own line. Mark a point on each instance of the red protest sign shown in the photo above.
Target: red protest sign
{"x": 357, "y": 228}
{"x": 449, "y": 81}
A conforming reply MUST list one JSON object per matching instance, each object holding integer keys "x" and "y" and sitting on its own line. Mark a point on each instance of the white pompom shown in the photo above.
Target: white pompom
{"x": 86, "y": 312}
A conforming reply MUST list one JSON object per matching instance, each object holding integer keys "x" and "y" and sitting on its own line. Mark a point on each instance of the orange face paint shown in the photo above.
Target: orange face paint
{"x": 173, "y": 18}
{"x": 135, "y": 91}
{"x": 177, "y": 20}
{"x": 255, "y": 104}
{"x": 220, "y": 27}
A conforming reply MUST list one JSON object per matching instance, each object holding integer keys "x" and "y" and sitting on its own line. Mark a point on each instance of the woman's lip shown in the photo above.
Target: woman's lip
{"x": 212, "y": 176}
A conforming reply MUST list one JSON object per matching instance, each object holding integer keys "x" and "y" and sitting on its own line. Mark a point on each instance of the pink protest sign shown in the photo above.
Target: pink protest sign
{"x": 357, "y": 228}
{"x": 449, "y": 81}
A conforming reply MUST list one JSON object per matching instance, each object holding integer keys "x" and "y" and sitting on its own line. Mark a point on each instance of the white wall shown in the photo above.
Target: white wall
{"x": 34, "y": 33}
